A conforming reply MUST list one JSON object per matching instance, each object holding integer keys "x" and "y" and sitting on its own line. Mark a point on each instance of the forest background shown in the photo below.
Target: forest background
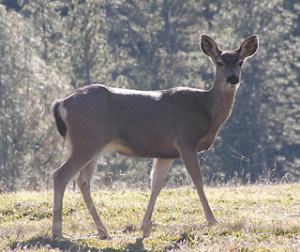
{"x": 49, "y": 48}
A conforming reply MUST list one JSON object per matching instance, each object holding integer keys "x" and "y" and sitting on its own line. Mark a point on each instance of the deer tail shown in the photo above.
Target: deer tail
{"x": 59, "y": 119}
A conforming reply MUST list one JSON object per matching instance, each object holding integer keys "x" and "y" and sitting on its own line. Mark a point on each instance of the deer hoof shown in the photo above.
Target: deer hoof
{"x": 213, "y": 223}
{"x": 104, "y": 236}
{"x": 57, "y": 237}
{"x": 146, "y": 230}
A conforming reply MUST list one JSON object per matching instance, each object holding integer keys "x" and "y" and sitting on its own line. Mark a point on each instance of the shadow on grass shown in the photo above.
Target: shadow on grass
{"x": 69, "y": 245}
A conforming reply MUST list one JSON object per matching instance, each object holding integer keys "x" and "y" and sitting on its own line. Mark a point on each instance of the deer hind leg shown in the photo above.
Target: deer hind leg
{"x": 77, "y": 161}
{"x": 189, "y": 158}
{"x": 83, "y": 182}
{"x": 158, "y": 176}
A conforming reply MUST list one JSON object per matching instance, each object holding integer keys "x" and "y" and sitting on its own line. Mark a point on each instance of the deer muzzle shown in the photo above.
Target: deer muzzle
{"x": 233, "y": 79}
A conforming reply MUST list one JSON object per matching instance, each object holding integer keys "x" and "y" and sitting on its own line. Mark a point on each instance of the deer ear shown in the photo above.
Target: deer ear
{"x": 249, "y": 47}
{"x": 209, "y": 46}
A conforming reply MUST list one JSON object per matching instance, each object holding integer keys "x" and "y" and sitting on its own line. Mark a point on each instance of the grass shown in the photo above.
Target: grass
{"x": 252, "y": 218}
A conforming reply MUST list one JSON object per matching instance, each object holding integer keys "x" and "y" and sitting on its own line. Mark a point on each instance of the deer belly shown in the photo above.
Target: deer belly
{"x": 143, "y": 150}
{"x": 120, "y": 147}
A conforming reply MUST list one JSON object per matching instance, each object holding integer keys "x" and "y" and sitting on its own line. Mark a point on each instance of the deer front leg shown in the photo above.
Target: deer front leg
{"x": 158, "y": 176}
{"x": 189, "y": 158}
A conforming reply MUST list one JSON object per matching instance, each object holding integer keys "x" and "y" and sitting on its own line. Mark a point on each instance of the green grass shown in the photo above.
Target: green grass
{"x": 252, "y": 218}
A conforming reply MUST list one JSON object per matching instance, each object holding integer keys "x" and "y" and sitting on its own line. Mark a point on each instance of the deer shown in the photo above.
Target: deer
{"x": 167, "y": 124}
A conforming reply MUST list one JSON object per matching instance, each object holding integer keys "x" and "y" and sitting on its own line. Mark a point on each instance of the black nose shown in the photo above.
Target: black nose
{"x": 233, "y": 79}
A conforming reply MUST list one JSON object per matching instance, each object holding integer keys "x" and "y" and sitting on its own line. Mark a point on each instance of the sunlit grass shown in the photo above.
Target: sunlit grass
{"x": 252, "y": 218}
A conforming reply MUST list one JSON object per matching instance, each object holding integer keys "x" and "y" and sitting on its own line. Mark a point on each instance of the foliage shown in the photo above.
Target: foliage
{"x": 253, "y": 218}
{"x": 263, "y": 127}
{"x": 27, "y": 86}
{"x": 48, "y": 48}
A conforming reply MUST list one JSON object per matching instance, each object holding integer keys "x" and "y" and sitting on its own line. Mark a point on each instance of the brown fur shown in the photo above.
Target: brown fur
{"x": 164, "y": 125}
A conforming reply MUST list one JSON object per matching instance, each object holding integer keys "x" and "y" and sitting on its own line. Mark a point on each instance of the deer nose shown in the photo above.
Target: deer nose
{"x": 233, "y": 79}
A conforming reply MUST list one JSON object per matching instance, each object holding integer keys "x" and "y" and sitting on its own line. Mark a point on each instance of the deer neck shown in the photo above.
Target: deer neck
{"x": 222, "y": 98}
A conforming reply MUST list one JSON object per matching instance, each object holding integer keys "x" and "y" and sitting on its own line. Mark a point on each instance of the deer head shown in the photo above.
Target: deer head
{"x": 228, "y": 63}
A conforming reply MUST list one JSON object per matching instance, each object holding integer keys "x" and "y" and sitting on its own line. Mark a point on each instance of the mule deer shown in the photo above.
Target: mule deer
{"x": 164, "y": 125}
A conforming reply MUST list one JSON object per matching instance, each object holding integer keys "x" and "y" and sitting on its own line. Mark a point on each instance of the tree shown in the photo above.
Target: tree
{"x": 27, "y": 143}
{"x": 48, "y": 48}
{"x": 254, "y": 140}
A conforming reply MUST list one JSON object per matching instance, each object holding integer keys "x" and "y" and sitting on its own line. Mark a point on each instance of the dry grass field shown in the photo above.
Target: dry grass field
{"x": 252, "y": 218}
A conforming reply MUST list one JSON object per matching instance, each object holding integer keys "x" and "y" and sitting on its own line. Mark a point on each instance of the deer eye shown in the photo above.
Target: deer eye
{"x": 240, "y": 64}
{"x": 220, "y": 64}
